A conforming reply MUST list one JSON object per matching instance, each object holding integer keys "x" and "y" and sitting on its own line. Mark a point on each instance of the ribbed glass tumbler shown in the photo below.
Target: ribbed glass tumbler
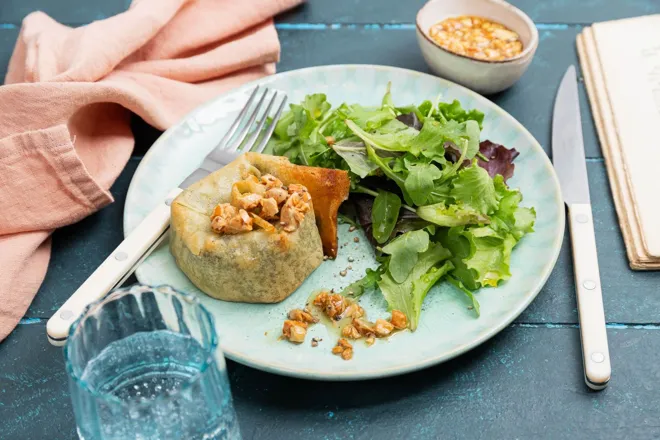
{"x": 144, "y": 363}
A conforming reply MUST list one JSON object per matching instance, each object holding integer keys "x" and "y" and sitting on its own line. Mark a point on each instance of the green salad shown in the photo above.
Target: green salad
{"x": 431, "y": 196}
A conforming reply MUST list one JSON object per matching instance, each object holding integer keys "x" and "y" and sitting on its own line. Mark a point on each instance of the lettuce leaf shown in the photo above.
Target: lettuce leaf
{"x": 404, "y": 251}
{"x": 452, "y": 215}
{"x": 355, "y": 155}
{"x": 317, "y": 105}
{"x": 475, "y": 188}
{"x": 453, "y": 111}
{"x": 402, "y": 295}
{"x": 510, "y": 217}
{"x": 491, "y": 255}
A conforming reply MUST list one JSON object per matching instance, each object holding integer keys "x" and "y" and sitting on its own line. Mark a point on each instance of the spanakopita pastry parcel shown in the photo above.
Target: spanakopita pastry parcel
{"x": 255, "y": 229}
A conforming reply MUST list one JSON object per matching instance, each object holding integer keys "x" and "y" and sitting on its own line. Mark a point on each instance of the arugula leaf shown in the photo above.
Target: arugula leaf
{"x": 475, "y": 188}
{"x": 399, "y": 295}
{"x": 404, "y": 252}
{"x": 335, "y": 127}
{"x": 296, "y": 134}
{"x": 393, "y": 136}
{"x": 433, "y": 135}
{"x": 366, "y": 118}
{"x": 355, "y": 155}
{"x": 387, "y": 102}
{"x": 453, "y": 215}
{"x": 316, "y": 105}
{"x": 440, "y": 194}
{"x": 308, "y": 151}
{"x": 384, "y": 215}
{"x": 368, "y": 282}
{"x": 303, "y": 123}
{"x": 282, "y": 126}
{"x": 467, "y": 292}
{"x": 420, "y": 180}
{"x": 382, "y": 164}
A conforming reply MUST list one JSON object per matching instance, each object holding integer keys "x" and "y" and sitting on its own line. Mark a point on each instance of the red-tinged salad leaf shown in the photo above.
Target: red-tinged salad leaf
{"x": 411, "y": 120}
{"x": 500, "y": 159}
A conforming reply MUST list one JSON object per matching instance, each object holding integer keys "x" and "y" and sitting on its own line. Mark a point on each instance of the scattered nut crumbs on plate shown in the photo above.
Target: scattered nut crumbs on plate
{"x": 343, "y": 349}
{"x": 337, "y": 308}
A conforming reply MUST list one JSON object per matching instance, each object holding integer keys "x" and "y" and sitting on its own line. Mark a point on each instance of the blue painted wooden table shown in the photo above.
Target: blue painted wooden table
{"x": 524, "y": 383}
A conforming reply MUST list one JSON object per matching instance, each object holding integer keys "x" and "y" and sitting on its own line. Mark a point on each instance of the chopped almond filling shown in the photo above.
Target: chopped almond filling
{"x": 399, "y": 320}
{"x": 294, "y": 331}
{"x": 258, "y": 202}
{"x": 338, "y": 307}
{"x": 343, "y": 349}
{"x": 229, "y": 220}
{"x": 303, "y": 316}
{"x": 295, "y": 328}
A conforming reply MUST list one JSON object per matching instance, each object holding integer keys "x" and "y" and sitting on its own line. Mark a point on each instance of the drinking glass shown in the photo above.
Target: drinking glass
{"x": 144, "y": 363}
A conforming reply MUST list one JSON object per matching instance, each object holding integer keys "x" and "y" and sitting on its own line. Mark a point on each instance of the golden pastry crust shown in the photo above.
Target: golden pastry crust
{"x": 257, "y": 266}
{"x": 329, "y": 189}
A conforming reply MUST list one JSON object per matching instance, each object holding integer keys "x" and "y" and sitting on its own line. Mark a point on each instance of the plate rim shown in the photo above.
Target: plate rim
{"x": 400, "y": 369}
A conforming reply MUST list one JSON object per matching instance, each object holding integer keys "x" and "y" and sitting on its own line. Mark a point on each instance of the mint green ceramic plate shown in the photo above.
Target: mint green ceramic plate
{"x": 249, "y": 331}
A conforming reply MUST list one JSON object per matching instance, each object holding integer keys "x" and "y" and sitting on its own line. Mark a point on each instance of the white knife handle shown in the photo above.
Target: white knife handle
{"x": 595, "y": 352}
{"x": 114, "y": 270}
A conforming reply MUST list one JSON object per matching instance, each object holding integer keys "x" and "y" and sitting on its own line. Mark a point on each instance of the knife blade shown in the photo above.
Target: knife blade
{"x": 570, "y": 164}
{"x": 567, "y": 142}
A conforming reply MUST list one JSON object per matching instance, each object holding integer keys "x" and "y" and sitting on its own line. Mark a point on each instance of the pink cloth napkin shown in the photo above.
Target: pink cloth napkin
{"x": 65, "y": 108}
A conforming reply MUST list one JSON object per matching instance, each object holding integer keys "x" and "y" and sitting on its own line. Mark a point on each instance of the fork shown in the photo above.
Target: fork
{"x": 135, "y": 248}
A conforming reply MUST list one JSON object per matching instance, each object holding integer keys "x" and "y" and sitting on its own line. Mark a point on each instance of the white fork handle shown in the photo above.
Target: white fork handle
{"x": 593, "y": 333}
{"x": 114, "y": 270}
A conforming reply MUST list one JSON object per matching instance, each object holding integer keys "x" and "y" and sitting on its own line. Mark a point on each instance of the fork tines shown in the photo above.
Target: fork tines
{"x": 244, "y": 125}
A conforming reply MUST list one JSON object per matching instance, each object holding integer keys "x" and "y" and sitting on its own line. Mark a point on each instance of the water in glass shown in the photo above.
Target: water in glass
{"x": 144, "y": 364}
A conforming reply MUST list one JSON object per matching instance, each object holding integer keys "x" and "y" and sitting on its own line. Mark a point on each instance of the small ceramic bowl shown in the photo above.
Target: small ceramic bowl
{"x": 481, "y": 76}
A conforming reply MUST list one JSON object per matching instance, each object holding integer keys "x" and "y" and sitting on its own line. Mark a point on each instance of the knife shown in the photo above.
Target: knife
{"x": 571, "y": 167}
